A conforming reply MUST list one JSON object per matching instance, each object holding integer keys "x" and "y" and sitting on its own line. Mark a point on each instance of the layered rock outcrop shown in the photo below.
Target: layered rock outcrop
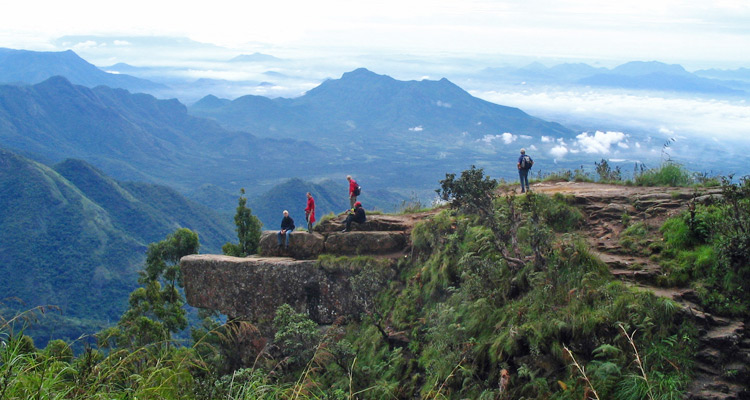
{"x": 253, "y": 288}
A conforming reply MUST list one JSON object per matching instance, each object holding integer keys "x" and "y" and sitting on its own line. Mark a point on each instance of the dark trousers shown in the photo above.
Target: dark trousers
{"x": 523, "y": 174}
{"x": 349, "y": 219}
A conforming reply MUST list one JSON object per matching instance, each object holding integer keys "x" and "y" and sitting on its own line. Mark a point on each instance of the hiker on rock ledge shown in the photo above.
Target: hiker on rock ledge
{"x": 353, "y": 190}
{"x": 310, "y": 212}
{"x": 357, "y": 215}
{"x": 524, "y": 165}
{"x": 287, "y": 227}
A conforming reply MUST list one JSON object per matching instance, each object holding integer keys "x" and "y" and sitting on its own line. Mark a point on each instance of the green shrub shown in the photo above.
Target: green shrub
{"x": 668, "y": 174}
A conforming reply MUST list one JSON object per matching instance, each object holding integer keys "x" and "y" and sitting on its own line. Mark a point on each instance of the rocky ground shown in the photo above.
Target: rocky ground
{"x": 723, "y": 359}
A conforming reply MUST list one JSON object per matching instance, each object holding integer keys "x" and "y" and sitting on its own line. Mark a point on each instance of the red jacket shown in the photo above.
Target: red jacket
{"x": 310, "y": 210}
{"x": 352, "y": 187}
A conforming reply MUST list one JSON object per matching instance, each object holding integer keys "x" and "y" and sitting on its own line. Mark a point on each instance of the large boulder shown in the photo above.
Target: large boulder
{"x": 355, "y": 243}
{"x": 252, "y": 288}
{"x": 302, "y": 245}
{"x": 307, "y": 246}
{"x": 373, "y": 223}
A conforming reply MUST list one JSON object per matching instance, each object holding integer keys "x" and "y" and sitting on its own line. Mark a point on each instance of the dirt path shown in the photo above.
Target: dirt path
{"x": 723, "y": 359}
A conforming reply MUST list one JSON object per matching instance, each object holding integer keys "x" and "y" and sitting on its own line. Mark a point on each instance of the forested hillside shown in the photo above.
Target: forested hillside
{"x": 73, "y": 238}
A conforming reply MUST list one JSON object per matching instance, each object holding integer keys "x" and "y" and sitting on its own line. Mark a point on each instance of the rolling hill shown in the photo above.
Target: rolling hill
{"x": 72, "y": 237}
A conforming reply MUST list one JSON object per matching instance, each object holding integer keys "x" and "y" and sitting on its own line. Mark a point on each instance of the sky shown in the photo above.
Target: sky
{"x": 695, "y": 33}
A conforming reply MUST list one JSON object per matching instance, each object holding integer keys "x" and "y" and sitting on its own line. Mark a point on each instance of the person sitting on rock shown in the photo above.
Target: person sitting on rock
{"x": 287, "y": 227}
{"x": 357, "y": 214}
{"x": 310, "y": 212}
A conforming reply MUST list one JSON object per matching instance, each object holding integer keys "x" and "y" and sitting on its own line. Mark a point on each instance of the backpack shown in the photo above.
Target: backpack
{"x": 358, "y": 190}
{"x": 526, "y": 162}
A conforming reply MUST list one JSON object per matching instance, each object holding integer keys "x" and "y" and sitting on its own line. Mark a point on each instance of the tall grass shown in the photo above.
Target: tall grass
{"x": 668, "y": 174}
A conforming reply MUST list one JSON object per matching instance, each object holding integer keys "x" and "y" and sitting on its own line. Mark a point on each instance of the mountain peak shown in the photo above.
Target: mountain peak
{"x": 56, "y": 81}
{"x": 360, "y": 73}
{"x": 255, "y": 57}
{"x": 635, "y": 68}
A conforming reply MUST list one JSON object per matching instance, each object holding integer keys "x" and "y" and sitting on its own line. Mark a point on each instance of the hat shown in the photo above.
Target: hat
{"x": 523, "y": 151}
{"x": 357, "y": 204}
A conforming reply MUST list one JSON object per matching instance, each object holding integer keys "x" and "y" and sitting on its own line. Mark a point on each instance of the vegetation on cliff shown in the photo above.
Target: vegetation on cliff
{"x": 500, "y": 299}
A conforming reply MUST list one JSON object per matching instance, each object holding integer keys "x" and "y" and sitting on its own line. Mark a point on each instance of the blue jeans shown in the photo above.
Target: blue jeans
{"x": 278, "y": 236}
{"x": 524, "y": 175}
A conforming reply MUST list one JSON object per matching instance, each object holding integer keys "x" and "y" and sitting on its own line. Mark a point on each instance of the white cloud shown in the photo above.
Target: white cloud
{"x": 547, "y": 139}
{"x": 121, "y": 43}
{"x": 600, "y": 142}
{"x": 558, "y": 151}
{"x": 506, "y": 137}
{"x": 666, "y": 131}
{"x": 623, "y": 145}
{"x": 417, "y": 129}
{"x": 533, "y": 148}
{"x": 442, "y": 104}
{"x": 89, "y": 44}
{"x": 526, "y": 137}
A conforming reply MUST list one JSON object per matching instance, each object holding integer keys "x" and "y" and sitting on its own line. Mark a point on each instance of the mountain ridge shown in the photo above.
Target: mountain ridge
{"x": 31, "y": 67}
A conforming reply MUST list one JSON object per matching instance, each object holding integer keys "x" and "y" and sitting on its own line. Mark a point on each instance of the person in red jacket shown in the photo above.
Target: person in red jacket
{"x": 310, "y": 212}
{"x": 353, "y": 190}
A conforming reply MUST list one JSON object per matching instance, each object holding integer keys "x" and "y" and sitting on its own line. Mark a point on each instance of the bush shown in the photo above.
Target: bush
{"x": 669, "y": 174}
{"x": 472, "y": 192}
{"x": 296, "y": 335}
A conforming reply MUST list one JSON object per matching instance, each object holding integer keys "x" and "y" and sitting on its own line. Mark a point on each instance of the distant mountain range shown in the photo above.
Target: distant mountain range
{"x": 72, "y": 237}
{"x": 30, "y": 67}
{"x": 137, "y": 137}
{"x": 638, "y": 75}
{"x": 365, "y": 107}
{"x": 396, "y": 135}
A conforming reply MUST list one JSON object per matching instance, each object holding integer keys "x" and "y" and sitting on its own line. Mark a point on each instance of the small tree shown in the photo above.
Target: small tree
{"x": 472, "y": 192}
{"x": 156, "y": 308}
{"x": 248, "y": 231}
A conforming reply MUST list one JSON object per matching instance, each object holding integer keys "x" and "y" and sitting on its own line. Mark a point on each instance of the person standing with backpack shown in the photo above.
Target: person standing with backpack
{"x": 524, "y": 165}
{"x": 353, "y": 190}
{"x": 310, "y": 212}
